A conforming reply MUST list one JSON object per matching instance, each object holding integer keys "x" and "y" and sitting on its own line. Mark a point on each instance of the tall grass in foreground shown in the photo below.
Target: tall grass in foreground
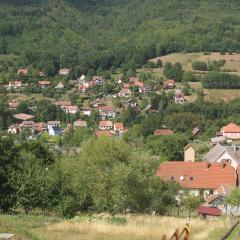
{"x": 137, "y": 227}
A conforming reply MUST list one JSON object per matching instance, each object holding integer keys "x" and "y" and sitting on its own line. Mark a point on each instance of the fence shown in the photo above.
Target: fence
{"x": 177, "y": 235}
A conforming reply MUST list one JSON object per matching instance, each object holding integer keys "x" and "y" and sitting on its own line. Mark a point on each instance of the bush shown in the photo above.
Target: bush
{"x": 68, "y": 206}
{"x": 200, "y": 66}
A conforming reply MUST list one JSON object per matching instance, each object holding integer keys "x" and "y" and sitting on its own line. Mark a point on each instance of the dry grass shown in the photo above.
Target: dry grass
{"x": 137, "y": 227}
{"x": 186, "y": 59}
{"x": 216, "y": 95}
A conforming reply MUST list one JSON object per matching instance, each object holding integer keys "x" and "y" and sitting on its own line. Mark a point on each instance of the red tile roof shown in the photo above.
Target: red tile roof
{"x": 23, "y": 116}
{"x": 119, "y": 126}
{"x": 198, "y": 175}
{"x": 160, "y": 132}
{"x": 210, "y": 211}
{"x": 63, "y": 103}
{"x": 231, "y": 128}
{"x": 105, "y": 124}
{"x": 106, "y": 108}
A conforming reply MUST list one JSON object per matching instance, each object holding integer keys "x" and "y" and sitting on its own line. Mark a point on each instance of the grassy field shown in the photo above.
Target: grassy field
{"x": 232, "y": 60}
{"x": 104, "y": 227}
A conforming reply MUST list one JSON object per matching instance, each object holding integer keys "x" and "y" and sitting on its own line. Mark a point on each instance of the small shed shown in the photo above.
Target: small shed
{"x": 206, "y": 211}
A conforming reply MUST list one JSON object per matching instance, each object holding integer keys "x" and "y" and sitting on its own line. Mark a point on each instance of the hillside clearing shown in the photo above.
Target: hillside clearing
{"x": 232, "y": 64}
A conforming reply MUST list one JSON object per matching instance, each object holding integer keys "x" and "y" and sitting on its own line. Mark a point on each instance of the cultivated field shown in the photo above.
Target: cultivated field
{"x": 100, "y": 228}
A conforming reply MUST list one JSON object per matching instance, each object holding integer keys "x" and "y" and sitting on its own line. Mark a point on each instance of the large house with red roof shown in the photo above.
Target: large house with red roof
{"x": 231, "y": 131}
{"x": 199, "y": 177}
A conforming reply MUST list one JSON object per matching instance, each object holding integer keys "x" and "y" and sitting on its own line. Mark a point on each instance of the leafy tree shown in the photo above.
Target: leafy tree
{"x": 167, "y": 147}
{"x": 234, "y": 200}
{"x": 200, "y": 65}
{"x": 9, "y": 154}
{"x": 191, "y": 202}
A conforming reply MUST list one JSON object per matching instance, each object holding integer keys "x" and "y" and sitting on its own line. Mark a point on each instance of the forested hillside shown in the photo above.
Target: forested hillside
{"x": 57, "y": 33}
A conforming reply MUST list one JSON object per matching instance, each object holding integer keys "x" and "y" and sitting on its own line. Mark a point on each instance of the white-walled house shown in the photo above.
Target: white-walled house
{"x": 219, "y": 153}
{"x": 231, "y": 131}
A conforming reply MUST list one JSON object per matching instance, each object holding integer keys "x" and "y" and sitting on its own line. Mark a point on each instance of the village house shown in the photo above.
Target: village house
{"x": 179, "y": 97}
{"x": 64, "y": 71}
{"x": 125, "y": 92}
{"x": 55, "y": 131}
{"x": 22, "y": 71}
{"x": 44, "y": 84}
{"x": 118, "y": 128}
{"x": 63, "y": 103}
{"x": 53, "y": 124}
{"x": 130, "y": 103}
{"x": 162, "y": 132}
{"x": 27, "y": 125}
{"x": 14, "y": 129}
{"x": 198, "y": 177}
{"x": 40, "y": 127}
{"x": 23, "y": 117}
{"x": 231, "y": 131}
{"x": 80, "y": 124}
{"x": 15, "y": 84}
{"x": 86, "y": 111}
{"x": 103, "y": 134}
{"x": 219, "y": 199}
{"x": 97, "y": 103}
{"x": 107, "y": 112}
{"x": 144, "y": 89}
{"x": 219, "y": 153}
{"x": 105, "y": 125}
{"x": 169, "y": 84}
{"x": 97, "y": 79}
{"x": 60, "y": 86}
{"x": 71, "y": 109}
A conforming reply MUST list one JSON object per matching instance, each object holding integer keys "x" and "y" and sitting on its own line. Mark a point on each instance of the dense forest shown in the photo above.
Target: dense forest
{"x": 120, "y": 33}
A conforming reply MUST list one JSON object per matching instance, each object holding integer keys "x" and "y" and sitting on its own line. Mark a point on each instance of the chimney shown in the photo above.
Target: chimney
{"x": 208, "y": 165}
{"x": 224, "y": 164}
{"x": 234, "y": 148}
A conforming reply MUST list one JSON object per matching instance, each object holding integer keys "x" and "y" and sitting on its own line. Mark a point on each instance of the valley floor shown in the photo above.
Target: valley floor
{"x": 104, "y": 227}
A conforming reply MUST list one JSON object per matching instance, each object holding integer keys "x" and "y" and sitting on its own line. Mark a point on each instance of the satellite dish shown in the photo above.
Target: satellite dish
{"x": 181, "y": 178}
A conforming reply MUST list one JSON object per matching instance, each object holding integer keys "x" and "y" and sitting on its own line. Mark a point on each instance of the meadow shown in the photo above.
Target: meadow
{"x": 106, "y": 227}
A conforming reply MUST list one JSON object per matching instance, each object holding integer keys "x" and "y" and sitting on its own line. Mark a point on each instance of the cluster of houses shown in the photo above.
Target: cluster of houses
{"x": 18, "y": 84}
{"x": 107, "y": 124}
{"x": 214, "y": 178}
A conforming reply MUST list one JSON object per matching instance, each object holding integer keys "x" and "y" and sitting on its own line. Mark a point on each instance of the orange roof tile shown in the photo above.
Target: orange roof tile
{"x": 198, "y": 175}
{"x": 23, "y": 116}
{"x": 160, "y": 132}
{"x": 105, "y": 124}
{"x": 231, "y": 128}
{"x": 119, "y": 126}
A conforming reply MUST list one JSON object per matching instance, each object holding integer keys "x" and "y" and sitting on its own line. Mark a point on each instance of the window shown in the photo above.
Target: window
{"x": 191, "y": 178}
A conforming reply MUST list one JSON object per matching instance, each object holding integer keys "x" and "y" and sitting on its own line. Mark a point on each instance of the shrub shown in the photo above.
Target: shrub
{"x": 68, "y": 206}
